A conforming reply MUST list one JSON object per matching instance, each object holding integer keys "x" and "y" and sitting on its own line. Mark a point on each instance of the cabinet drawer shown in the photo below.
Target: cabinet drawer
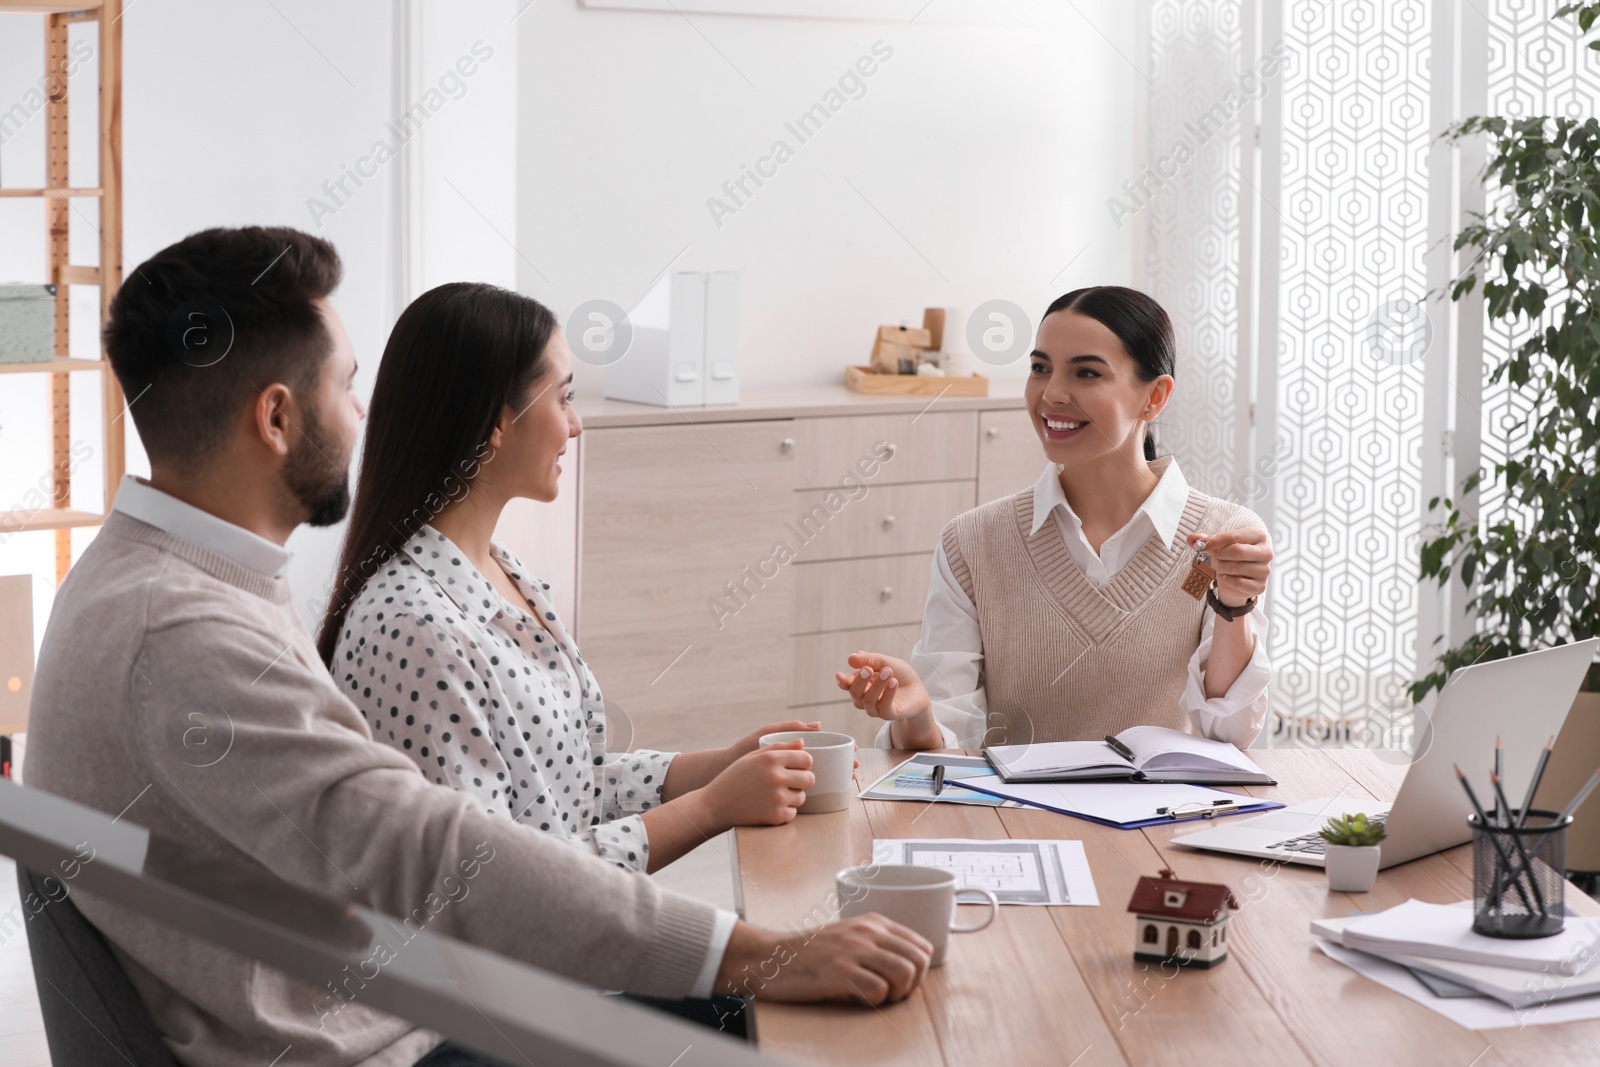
{"x": 929, "y": 447}
{"x": 852, "y": 593}
{"x": 671, "y": 516}
{"x": 884, "y": 520}
{"x": 1010, "y": 456}
{"x": 817, "y": 656}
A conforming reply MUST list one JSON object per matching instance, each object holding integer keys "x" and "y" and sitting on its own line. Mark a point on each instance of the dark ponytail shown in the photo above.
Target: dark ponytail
{"x": 1139, "y": 323}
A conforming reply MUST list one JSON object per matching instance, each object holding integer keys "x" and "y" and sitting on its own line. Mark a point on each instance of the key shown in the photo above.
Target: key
{"x": 1200, "y": 575}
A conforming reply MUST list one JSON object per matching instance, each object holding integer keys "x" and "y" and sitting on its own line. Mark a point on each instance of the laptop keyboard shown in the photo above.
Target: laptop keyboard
{"x": 1313, "y": 843}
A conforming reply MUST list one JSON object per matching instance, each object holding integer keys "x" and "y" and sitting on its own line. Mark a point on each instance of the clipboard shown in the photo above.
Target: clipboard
{"x": 1123, "y": 805}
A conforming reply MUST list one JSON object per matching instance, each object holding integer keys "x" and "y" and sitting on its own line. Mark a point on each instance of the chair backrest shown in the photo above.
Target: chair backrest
{"x": 92, "y": 1015}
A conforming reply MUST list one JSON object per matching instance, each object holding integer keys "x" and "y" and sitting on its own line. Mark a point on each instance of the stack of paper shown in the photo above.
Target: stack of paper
{"x": 1435, "y": 941}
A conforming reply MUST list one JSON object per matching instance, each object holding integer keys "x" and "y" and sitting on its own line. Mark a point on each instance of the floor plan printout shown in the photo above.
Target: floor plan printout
{"x": 1019, "y": 872}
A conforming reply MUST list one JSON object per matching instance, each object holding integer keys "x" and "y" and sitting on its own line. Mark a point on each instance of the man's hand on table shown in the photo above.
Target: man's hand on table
{"x": 868, "y": 959}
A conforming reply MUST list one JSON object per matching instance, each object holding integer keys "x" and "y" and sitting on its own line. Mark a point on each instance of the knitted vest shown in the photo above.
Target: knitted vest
{"x": 1063, "y": 660}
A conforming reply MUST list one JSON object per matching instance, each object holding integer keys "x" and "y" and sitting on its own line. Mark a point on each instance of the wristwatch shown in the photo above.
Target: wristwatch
{"x": 1222, "y": 609}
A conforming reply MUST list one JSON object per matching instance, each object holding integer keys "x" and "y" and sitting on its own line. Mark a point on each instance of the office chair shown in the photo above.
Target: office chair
{"x": 92, "y": 1016}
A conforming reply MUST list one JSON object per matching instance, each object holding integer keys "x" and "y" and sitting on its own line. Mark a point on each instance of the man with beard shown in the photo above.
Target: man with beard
{"x": 178, "y": 687}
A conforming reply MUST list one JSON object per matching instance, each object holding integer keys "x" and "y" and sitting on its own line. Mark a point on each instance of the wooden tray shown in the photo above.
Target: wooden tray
{"x": 863, "y": 380}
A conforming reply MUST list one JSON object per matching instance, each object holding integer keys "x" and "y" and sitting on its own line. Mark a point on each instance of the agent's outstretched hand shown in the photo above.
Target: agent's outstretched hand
{"x": 888, "y": 688}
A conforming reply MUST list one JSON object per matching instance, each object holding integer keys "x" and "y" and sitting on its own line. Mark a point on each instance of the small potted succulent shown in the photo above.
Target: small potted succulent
{"x": 1351, "y": 853}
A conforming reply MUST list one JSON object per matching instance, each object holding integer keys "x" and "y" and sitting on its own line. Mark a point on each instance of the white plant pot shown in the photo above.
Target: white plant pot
{"x": 1351, "y": 868}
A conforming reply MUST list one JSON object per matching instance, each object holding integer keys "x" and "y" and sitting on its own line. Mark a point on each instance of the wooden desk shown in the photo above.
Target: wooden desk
{"x": 1060, "y": 986}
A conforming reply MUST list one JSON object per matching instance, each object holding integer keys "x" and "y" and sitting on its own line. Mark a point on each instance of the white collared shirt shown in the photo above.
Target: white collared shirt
{"x": 138, "y": 499}
{"x": 949, "y": 656}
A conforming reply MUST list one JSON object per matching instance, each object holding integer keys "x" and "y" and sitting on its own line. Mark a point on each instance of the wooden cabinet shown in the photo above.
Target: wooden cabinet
{"x": 1010, "y": 454}
{"x": 728, "y": 559}
{"x": 886, "y": 520}
{"x": 913, "y": 447}
{"x": 675, "y": 521}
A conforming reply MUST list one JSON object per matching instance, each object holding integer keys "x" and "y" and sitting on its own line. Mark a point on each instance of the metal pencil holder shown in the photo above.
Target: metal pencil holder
{"x": 1518, "y": 876}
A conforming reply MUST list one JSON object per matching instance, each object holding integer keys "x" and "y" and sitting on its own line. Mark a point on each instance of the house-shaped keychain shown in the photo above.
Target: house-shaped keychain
{"x": 1185, "y": 922}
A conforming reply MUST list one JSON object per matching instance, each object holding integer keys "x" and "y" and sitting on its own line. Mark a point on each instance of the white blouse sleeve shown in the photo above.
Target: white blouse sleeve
{"x": 630, "y": 786}
{"x": 1238, "y": 715}
{"x": 633, "y": 782}
{"x": 949, "y": 660}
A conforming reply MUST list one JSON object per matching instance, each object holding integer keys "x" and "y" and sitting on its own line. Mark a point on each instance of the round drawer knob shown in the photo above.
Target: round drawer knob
{"x": 886, "y": 592}
{"x": 893, "y": 449}
{"x": 888, "y": 522}
{"x": 788, "y": 444}
{"x": 994, "y": 431}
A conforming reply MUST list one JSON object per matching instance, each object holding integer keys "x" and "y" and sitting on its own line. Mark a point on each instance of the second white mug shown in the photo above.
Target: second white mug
{"x": 922, "y": 898}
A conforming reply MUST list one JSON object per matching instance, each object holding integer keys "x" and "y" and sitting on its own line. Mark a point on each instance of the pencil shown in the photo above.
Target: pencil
{"x": 1583, "y": 794}
{"x": 1533, "y": 786}
{"x": 1502, "y": 816}
{"x": 1561, "y": 817}
{"x": 1516, "y": 843}
{"x": 1498, "y": 847}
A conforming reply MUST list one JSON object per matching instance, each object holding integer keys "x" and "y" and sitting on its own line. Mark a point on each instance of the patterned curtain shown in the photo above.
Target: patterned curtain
{"x": 1192, "y": 221}
{"x": 1353, "y": 229}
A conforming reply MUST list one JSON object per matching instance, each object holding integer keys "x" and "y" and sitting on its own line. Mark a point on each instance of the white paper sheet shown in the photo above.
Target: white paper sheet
{"x": 1019, "y": 872}
{"x": 1473, "y": 1013}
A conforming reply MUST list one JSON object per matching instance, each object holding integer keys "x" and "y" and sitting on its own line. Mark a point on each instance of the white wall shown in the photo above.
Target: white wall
{"x": 975, "y": 166}
{"x": 226, "y": 121}
{"x": 586, "y": 146}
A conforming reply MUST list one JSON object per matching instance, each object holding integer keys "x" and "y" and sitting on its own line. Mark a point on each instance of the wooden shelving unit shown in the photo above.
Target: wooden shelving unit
{"x": 107, "y": 276}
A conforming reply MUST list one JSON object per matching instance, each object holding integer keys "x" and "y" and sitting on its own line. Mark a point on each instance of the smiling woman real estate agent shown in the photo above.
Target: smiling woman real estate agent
{"x": 1072, "y": 610}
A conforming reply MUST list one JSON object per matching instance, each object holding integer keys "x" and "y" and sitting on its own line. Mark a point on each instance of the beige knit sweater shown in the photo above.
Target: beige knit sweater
{"x": 182, "y": 688}
{"x": 1062, "y": 659}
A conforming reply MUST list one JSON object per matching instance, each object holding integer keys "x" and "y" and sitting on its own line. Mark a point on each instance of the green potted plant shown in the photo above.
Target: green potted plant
{"x": 1536, "y": 256}
{"x": 1351, "y": 854}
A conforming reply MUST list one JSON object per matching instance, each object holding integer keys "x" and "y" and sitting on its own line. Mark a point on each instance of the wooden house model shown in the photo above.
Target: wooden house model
{"x": 1185, "y": 922}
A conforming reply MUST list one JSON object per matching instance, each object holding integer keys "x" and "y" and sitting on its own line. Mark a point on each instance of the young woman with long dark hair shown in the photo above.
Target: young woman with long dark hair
{"x": 1059, "y": 613}
{"x": 450, "y": 646}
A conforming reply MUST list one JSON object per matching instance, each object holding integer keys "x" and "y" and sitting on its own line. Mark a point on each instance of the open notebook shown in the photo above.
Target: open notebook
{"x": 1159, "y": 755}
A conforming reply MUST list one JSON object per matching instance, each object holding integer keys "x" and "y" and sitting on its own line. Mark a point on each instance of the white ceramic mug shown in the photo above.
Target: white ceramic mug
{"x": 923, "y": 898}
{"x": 833, "y": 761}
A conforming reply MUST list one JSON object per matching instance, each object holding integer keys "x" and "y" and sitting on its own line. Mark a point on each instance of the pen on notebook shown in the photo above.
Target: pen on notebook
{"x": 938, "y": 778}
{"x": 1121, "y": 749}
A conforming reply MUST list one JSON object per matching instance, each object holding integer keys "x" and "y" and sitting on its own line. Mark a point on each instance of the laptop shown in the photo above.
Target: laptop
{"x": 1523, "y": 700}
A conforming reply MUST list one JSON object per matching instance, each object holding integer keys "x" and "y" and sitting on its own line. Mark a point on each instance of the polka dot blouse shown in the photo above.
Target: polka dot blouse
{"x": 486, "y": 700}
